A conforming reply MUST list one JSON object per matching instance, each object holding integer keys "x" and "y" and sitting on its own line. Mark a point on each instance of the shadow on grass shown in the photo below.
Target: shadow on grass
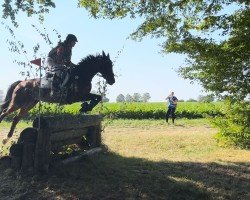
{"x": 110, "y": 176}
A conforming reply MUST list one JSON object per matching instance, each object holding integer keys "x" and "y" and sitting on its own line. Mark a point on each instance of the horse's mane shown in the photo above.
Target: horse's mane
{"x": 89, "y": 60}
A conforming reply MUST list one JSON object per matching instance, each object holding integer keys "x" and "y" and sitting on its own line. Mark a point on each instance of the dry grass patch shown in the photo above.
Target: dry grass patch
{"x": 146, "y": 160}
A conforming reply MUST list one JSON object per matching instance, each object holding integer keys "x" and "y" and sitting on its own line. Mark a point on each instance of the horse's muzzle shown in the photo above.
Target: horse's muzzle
{"x": 111, "y": 81}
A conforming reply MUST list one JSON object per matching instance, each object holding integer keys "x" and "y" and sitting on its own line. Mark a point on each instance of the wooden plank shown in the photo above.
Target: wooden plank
{"x": 65, "y": 122}
{"x": 83, "y": 154}
{"x": 67, "y": 135}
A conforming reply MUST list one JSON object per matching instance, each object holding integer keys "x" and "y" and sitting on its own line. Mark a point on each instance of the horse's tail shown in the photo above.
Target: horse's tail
{"x": 8, "y": 96}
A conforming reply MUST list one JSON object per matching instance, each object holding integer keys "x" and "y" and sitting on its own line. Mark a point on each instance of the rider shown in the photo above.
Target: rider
{"x": 59, "y": 59}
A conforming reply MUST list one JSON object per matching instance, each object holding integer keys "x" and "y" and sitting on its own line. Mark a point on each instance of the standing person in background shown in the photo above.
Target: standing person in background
{"x": 172, "y": 103}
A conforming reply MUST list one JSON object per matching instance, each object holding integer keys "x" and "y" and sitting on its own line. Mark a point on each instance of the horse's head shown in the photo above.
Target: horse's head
{"x": 88, "y": 67}
{"x": 106, "y": 69}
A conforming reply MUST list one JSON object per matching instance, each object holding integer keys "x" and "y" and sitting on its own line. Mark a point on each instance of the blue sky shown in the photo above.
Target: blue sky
{"x": 139, "y": 67}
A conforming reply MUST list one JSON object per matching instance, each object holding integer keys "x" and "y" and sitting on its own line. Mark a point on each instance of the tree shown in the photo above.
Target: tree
{"x": 120, "y": 98}
{"x": 145, "y": 97}
{"x": 207, "y": 98}
{"x": 30, "y": 7}
{"x": 191, "y": 100}
{"x": 128, "y": 98}
{"x": 136, "y": 97}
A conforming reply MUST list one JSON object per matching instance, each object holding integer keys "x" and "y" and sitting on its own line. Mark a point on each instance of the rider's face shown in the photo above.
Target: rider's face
{"x": 72, "y": 44}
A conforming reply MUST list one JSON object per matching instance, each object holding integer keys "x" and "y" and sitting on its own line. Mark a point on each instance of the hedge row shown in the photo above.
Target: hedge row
{"x": 190, "y": 110}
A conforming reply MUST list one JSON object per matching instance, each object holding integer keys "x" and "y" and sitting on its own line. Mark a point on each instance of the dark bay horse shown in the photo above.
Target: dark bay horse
{"x": 24, "y": 95}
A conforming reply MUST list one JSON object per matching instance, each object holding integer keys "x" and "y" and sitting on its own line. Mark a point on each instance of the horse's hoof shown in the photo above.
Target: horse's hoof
{"x": 5, "y": 140}
{"x": 84, "y": 108}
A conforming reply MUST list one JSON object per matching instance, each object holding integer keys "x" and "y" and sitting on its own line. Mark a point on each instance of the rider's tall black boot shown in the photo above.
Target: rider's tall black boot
{"x": 65, "y": 81}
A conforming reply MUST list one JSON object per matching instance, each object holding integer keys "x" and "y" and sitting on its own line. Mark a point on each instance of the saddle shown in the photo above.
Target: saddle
{"x": 58, "y": 87}
{"x": 46, "y": 82}
{"x": 52, "y": 81}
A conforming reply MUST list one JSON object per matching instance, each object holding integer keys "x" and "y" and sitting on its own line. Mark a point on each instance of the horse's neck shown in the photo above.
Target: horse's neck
{"x": 88, "y": 73}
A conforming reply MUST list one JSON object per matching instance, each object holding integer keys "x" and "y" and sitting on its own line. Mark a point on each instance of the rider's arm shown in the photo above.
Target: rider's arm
{"x": 59, "y": 54}
{"x": 175, "y": 100}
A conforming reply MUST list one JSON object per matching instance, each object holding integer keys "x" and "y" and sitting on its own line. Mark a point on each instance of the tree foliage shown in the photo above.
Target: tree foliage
{"x": 206, "y": 98}
{"x": 30, "y": 7}
{"x": 120, "y": 98}
{"x": 192, "y": 27}
{"x": 145, "y": 97}
{"x": 128, "y": 98}
{"x": 136, "y": 97}
{"x": 213, "y": 34}
{"x": 234, "y": 127}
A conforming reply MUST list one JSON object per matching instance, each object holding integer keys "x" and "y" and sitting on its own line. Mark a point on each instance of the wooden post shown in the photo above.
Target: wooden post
{"x": 5, "y": 162}
{"x": 28, "y": 139}
{"x": 94, "y": 136}
{"x": 91, "y": 136}
{"x": 42, "y": 151}
{"x": 98, "y": 135}
{"x": 16, "y": 156}
{"x": 28, "y": 157}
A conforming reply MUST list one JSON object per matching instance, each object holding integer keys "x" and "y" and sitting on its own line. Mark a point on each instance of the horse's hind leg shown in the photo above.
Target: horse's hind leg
{"x": 4, "y": 107}
{"x": 23, "y": 111}
{"x": 7, "y": 111}
{"x": 9, "y": 107}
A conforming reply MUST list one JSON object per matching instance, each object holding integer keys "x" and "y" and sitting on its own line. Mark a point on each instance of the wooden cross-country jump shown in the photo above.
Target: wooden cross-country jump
{"x": 35, "y": 144}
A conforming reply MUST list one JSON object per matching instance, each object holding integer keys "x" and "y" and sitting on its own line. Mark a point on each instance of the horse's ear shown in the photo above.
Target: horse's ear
{"x": 103, "y": 54}
{"x": 108, "y": 55}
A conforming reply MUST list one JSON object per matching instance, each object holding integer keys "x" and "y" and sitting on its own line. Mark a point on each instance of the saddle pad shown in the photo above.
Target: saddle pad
{"x": 46, "y": 82}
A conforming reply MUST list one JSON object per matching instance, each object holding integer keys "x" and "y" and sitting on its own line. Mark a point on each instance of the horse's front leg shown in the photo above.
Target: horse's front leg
{"x": 94, "y": 100}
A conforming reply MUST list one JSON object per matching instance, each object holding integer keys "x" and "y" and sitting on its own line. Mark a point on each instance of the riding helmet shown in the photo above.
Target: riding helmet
{"x": 71, "y": 38}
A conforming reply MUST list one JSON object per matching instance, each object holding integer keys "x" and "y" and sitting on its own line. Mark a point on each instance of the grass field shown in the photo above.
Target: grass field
{"x": 146, "y": 159}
